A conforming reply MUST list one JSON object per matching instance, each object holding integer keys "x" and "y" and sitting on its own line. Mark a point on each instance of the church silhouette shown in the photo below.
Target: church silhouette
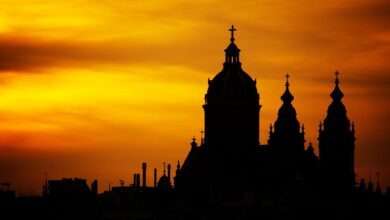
{"x": 229, "y": 174}
{"x": 230, "y": 161}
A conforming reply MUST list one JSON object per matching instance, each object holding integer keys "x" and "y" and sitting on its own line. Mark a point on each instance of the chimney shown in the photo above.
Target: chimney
{"x": 169, "y": 172}
{"x": 155, "y": 177}
{"x": 143, "y": 174}
{"x": 135, "y": 180}
{"x": 138, "y": 180}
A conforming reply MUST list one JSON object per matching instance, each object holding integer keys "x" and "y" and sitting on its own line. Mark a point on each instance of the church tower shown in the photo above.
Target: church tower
{"x": 337, "y": 145}
{"x": 227, "y": 158}
{"x": 232, "y": 108}
{"x": 287, "y": 134}
{"x": 287, "y": 137}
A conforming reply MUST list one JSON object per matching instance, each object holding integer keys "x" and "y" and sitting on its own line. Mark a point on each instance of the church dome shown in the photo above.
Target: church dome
{"x": 232, "y": 81}
{"x": 164, "y": 182}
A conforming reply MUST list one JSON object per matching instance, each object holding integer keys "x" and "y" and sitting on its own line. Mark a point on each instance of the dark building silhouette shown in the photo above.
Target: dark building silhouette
{"x": 229, "y": 174}
{"x": 232, "y": 108}
{"x": 337, "y": 145}
{"x": 230, "y": 161}
{"x": 225, "y": 158}
{"x": 286, "y": 140}
{"x": 68, "y": 188}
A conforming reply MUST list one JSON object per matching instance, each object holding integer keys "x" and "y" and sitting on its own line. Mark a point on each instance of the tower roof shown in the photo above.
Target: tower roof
{"x": 337, "y": 94}
{"x": 232, "y": 81}
{"x": 286, "y": 127}
{"x": 287, "y": 111}
{"x": 336, "y": 119}
{"x": 287, "y": 97}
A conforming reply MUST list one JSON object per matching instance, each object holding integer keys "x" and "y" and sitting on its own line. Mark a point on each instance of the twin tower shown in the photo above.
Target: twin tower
{"x": 231, "y": 159}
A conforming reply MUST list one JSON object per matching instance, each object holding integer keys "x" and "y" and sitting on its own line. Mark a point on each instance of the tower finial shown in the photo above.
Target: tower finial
{"x": 232, "y": 30}
{"x": 164, "y": 167}
{"x": 337, "y": 94}
{"x": 287, "y": 97}
{"x": 287, "y": 77}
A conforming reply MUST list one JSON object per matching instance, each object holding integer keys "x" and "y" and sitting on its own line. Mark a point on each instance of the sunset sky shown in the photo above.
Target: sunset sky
{"x": 93, "y": 88}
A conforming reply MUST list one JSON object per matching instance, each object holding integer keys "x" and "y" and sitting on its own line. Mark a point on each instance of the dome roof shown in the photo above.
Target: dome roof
{"x": 232, "y": 82}
{"x": 164, "y": 182}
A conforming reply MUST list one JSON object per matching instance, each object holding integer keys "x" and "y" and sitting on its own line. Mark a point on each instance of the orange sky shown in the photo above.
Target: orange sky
{"x": 92, "y": 88}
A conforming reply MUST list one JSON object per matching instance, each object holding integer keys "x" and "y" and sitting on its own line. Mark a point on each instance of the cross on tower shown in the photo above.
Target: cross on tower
{"x": 337, "y": 77}
{"x": 287, "y": 76}
{"x": 232, "y": 30}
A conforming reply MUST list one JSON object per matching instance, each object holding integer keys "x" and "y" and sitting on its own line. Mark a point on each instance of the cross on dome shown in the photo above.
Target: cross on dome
{"x": 232, "y": 30}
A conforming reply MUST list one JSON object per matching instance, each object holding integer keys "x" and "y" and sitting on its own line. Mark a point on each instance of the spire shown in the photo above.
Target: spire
{"x": 232, "y": 51}
{"x": 337, "y": 94}
{"x": 287, "y": 97}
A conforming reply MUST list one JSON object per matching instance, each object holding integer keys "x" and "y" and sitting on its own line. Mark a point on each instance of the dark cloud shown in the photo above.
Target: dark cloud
{"x": 377, "y": 11}
{"x": 22, "y": 54}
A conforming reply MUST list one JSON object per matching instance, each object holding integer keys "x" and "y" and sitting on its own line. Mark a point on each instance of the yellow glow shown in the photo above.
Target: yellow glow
{"x": 104, "y": 85}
